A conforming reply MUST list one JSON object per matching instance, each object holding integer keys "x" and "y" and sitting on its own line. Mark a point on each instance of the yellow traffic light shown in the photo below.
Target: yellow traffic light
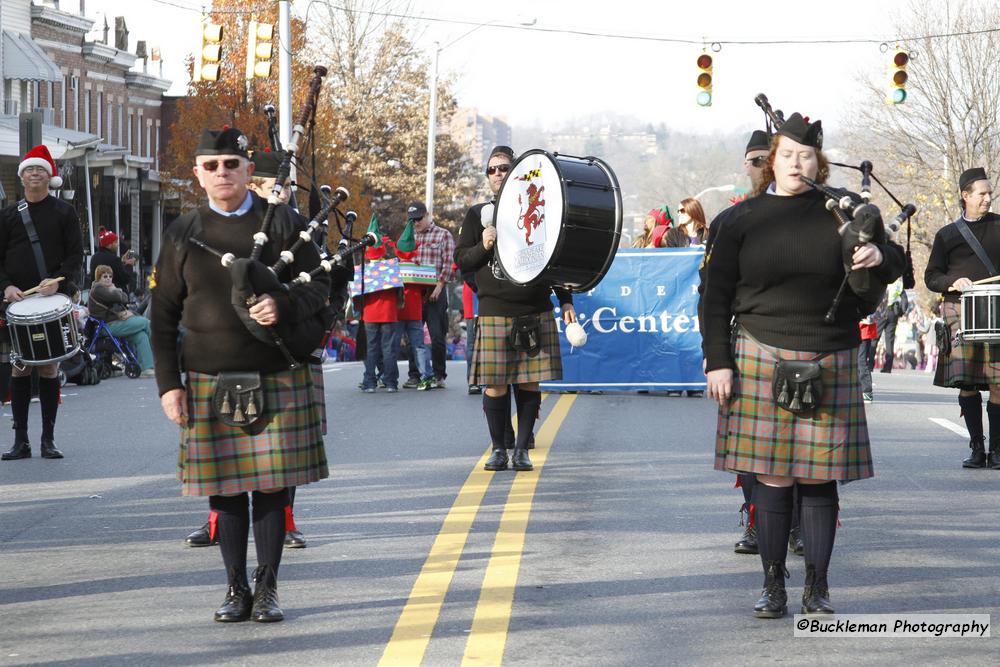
{"x": 898, "y": 76}
{"x": 206, "y": 66}
{"x": 259, "y": 49}
{"x": 704, "y": 80}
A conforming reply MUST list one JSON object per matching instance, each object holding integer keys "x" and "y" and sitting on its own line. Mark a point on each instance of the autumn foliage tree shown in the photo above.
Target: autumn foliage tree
{"x": 375, "y": 113}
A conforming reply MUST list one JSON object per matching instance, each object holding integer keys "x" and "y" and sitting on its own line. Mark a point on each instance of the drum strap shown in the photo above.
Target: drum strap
{"x": 36, "y": 244}
{"x": 976, "y": 246}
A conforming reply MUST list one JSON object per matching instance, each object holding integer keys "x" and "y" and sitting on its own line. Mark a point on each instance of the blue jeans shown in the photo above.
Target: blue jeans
{"x": 421, "y": 359}
{"x": 136, "y": 331}
{"x": 383, "y": 343}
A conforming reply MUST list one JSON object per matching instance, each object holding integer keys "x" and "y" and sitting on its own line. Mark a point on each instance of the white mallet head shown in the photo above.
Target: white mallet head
{"x": 575, "y": 334}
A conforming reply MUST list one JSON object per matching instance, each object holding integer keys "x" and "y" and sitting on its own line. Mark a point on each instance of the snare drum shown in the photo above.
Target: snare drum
{"x": 980, "y": 319}
{"x": 42, "y": 330}
{"x": 558, "y": 220}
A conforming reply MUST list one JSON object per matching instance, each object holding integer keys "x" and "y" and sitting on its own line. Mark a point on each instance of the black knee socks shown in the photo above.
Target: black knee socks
{"x": 497, "y": 410}
{"x": 20, "y": 399}
{"x": 508, "y": 436}
{"x": 773, "y": 510}
{"x": 233, "y": 523}
{"x": 269, "y": 526}
{"x": 747, "y": 482}
{"x": 291, "y": 496}
{"x": 48, "y": 397}
{"x": 993, "y": 413}
{"x": 972, "y": 410}
{"x": 528, "y": 404}
{"x": 796, "y": 506}
{"x": 819, "y": 522}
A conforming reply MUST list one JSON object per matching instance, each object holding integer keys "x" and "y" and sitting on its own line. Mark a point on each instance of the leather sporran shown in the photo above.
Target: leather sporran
{"x": 238, "y": 399}
{"x": 525, "y": 334}
{"x": 797, "y": 385}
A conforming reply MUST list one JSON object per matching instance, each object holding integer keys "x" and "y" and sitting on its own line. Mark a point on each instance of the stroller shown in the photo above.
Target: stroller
{"x": 110, "y": 354}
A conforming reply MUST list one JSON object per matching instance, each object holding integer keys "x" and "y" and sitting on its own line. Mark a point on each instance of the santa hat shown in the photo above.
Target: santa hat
{"x": 406, "y": 246}
{"x": 39, "y": 157}
{"x": 105, "y": 237}
{"x": 377, "y": 251}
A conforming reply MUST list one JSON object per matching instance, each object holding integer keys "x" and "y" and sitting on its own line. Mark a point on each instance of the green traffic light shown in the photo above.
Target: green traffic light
{"x": 898, "y": 96}
{"x": 704, "y": 99}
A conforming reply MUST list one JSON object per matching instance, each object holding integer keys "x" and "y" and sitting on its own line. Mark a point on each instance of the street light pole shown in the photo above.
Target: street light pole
{"x": 432, "y": 112}
{"x": 432, "y": 134}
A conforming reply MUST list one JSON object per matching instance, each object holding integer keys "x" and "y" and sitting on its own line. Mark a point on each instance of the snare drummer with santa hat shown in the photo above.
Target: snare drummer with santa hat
{"x": 40, "y": 242}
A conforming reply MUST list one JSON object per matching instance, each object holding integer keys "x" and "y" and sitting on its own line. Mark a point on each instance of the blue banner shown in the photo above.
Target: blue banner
{"x": 642, "y": 326}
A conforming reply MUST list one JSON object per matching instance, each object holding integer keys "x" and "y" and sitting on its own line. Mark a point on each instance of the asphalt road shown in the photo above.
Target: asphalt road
{"x": 620, "y": 543}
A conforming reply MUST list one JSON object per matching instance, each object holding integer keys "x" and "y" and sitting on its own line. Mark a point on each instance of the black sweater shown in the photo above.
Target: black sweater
{"x": 124, "y": 276}
{"x": 952, "y": 258}
{"x": 193, "y": 289}
{"x": 58, "y": 228}
{"x": 776, "y": 269}
{"x": 499, "y": 297}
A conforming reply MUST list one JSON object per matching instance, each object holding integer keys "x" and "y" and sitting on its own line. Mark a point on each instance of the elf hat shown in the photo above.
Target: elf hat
{"x": 39, "y": 156}
{"x": 377, "y": 251}
{"x": 406, "y": 246}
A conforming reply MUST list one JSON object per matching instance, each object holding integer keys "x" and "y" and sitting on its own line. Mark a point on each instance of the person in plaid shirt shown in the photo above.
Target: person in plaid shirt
{"x": 435, "y": 247}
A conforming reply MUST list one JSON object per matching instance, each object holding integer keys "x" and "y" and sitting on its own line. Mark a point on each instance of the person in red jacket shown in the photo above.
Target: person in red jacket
{"x": 380, "y": 315}
{"x": 411, "y": 314}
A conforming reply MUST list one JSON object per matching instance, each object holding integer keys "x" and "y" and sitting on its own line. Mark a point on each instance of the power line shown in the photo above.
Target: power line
{"x": 667, "y": 40}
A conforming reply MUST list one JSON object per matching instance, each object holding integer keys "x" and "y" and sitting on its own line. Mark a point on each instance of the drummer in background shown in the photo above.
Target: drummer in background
{"x": 952, "y": 267}
{"x": 776, "y": 269}
{"x": 754, "y": 160}
{"x": 60, "y": 251}
{"x": 495, "y": 363}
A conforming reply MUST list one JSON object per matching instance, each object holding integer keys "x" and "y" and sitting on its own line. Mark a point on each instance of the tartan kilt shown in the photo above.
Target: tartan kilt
{"x": 216, "y": 459}
{"x": 495, "y": 362}
{"x": 319, "y": 392}
{"x": 756, "y": 436}
{"x": 973, "y": 366}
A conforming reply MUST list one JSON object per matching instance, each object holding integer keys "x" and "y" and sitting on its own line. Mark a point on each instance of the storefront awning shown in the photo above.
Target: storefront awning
{"x": 63, "y": 144}
{"x": 23, "y": 59}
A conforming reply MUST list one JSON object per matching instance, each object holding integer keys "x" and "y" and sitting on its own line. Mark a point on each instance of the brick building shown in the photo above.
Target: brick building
{"x": 101, "y": 118}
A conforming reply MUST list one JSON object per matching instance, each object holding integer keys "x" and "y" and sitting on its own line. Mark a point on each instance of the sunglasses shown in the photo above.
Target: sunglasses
{"x": 758, "y": 161}
{"x": 502, "y": 168}
{"x": 230, "y": 164}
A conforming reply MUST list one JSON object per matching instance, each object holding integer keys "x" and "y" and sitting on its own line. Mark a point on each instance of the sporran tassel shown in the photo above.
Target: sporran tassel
{"x": 226, "y": 407}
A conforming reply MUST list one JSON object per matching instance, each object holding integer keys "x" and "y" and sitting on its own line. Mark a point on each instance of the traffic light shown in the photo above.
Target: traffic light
{"x": 206, "y": 66}
{"x": 898, "y": 76}
{"x": 259, "y": 49}
{"x": 704, "y": 80}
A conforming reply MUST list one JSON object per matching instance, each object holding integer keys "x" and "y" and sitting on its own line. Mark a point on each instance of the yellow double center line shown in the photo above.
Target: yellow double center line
{"x": 488, "y": 637}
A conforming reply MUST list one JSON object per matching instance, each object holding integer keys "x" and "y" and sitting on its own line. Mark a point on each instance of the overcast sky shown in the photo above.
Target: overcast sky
{"x": 535, "y": 77}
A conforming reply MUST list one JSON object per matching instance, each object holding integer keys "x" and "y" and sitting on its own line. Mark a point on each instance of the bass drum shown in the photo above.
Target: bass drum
{"x": 558, "y": 220}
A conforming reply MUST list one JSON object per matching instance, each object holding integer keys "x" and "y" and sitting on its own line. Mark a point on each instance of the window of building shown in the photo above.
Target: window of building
{"x": 62, "y": 99}
{"x": 100, "y": 115}
{"x": 86, "y": 111}
{"x": 131, "y": 121}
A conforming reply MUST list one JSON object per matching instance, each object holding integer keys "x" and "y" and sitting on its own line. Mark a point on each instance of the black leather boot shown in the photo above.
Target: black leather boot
{"x": 201, "y": 538}
{"x": 773, "y": 602}
{"x": 265, "y": 596}
{"x": 239, "y": 600}
{"x": 49, "y": 450}
{"x": 520, "y": 461}
{"x": 816, "y": 593}
{"x": 497, "y": 461}
{"x": 978, "y": 457}
{"x": 748, "y": 543}
{"x": 21, "y": 449}
{"x": 795, "y": 542}
{"x": 993, "y": 461}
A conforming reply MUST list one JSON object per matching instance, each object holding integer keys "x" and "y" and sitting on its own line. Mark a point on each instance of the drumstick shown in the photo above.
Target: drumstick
{"x": 986, "y": 280}
{"x": 41, "y": 284}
